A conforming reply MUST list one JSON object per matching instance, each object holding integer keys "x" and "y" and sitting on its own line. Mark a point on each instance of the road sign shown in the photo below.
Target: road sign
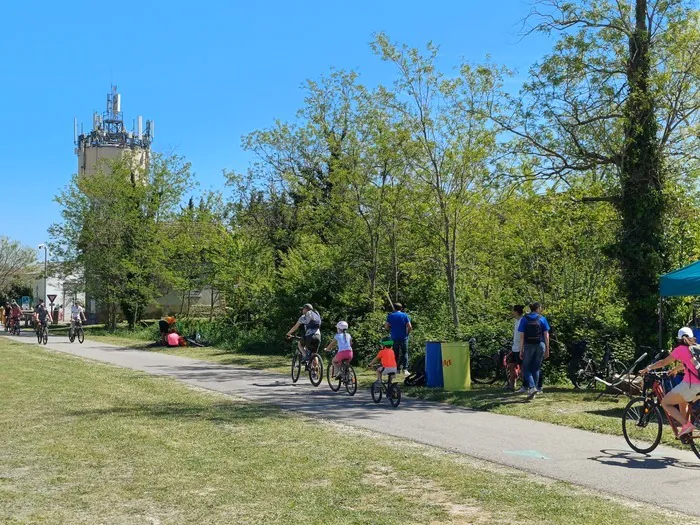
{"x": 25, "y": 303}
{"x": 51, "y": 297}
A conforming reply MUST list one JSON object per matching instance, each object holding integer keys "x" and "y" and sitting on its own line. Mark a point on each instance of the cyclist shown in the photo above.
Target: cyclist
{"x": 311, "y": 321}
{"x": 386, "y": 358}
{"x": 344, "y": 341}
{"x": 686, "y": 391}
{"x": 40, "y": 315}
{"x": 16, "y": 314}
{"x": 8, "y": 315}
{"x": 77, "y": 315}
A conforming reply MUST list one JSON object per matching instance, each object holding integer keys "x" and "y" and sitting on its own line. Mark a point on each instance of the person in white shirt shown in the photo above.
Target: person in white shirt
{"x": 344, "y": 341}
{"x": 77, "y": 314}
{"x": 513, "y": 360}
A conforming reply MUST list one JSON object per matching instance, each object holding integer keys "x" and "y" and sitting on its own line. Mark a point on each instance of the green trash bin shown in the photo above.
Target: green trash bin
{"x": 455, "y": 366}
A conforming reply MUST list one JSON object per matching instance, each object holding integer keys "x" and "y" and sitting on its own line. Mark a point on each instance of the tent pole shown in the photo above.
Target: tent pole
{"x": 661, "y": 323}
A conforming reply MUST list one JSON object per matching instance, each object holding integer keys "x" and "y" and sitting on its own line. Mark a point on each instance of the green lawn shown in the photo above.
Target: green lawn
{"x": 90, "y": 443}
{"x": 560, "y": 404}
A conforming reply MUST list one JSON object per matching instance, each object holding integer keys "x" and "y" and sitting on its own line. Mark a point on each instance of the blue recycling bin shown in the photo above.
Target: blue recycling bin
{"x": 433, "y": 364}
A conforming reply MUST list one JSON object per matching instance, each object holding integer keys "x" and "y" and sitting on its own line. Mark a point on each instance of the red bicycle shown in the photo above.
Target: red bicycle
{"x": 642, "y": 421}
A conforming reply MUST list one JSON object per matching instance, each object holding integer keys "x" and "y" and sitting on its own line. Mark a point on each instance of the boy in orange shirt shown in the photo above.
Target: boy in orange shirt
{"x": 386, "y": 357}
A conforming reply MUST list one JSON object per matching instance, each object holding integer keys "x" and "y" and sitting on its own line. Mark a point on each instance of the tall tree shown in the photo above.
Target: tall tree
{"x": 453, "y": 152}
{"x": 613, "y": 104}
{"x": 15, "y": 259}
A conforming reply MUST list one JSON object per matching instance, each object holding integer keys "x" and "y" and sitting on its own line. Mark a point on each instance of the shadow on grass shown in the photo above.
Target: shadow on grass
{"x": 230, "y": 412}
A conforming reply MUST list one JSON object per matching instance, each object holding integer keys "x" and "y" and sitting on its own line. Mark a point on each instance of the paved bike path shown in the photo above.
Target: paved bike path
{"x": 604, "y": 463}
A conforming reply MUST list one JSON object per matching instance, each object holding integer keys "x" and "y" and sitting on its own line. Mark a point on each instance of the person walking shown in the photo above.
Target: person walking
{"x": 513, "y": 360}
{"x": 399, "y": 323}
{"x": 534, "y": 347}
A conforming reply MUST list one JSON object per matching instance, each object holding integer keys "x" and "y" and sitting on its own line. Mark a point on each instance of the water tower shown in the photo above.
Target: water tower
{"x": 109, "y": 139}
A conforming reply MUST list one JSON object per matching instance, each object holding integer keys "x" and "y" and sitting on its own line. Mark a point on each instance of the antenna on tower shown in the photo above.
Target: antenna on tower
{"x": 75, "y": 130}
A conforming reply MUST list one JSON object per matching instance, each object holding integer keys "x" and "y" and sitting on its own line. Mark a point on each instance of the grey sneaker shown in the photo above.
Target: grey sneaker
{"x": 532, "y": 392}
{"x": 522, "y": 390}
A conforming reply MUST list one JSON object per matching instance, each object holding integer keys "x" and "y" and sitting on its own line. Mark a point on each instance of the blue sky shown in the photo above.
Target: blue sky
{"x": 207, "y": 72}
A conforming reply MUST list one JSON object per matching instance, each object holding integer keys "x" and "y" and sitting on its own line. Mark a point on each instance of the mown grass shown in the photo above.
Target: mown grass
{"x": 90, "y": 443}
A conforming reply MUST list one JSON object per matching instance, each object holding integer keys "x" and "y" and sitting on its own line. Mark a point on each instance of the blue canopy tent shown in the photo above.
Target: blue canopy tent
{"x": 682, "y": 282}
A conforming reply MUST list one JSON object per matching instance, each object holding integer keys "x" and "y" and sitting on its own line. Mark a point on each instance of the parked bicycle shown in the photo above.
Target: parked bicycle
{"x": 486, "y": 369}
{"x": 582, "y": 369}
{"x": 388, "y": 387}
{"x": 76, "y": 331}
{"x": 313, "y": 364}
{"x": 345, "y": 375}
{"x": 642, "y": 420}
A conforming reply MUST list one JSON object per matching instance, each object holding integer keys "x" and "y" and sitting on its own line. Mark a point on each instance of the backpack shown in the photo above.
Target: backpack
{"x": 315, "y": 322}
{"x": 695, "y": 357}
{"x": 533, "y": 330}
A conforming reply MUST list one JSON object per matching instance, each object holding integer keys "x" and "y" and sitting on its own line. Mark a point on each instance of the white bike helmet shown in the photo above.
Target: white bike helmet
{"x": 342, "y": 325}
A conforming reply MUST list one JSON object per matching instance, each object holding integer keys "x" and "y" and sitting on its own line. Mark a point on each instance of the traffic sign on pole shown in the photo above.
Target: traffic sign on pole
{"x": 52, "y": 297}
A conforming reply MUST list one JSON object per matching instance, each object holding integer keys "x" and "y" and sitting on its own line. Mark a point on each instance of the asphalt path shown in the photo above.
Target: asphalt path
{"x": 668, "y": 477}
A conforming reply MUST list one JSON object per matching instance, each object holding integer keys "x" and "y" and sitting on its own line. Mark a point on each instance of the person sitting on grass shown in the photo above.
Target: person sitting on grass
{"x": 686, "y": 391}
{"x": 166, "y": 326}
{"x": 344, "y": 341}
{"x": 386, "y": 358}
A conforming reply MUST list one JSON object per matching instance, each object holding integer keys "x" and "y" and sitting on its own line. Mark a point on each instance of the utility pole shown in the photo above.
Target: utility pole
{"x": 43, "y": 245}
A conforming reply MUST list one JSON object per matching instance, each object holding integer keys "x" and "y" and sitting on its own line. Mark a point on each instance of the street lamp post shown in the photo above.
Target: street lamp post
{"x": 46, "y": 272}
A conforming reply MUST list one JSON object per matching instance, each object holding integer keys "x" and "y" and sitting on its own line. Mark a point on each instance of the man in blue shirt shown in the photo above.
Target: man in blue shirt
{"x": 400, "y": 325}
{"x": 534, "y": 347}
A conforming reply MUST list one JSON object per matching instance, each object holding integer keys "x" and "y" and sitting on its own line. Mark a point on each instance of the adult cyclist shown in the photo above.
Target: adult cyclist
{"x": 311, "y": 321}
{"x": 8, "y": 315}
{"x": 77, "y": 315}
{"x": 41, "y": 313}
{"x": 15, "y": 314}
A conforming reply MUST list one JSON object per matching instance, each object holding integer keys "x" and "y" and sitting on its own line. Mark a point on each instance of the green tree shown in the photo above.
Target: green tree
{"x": 15, "y": 260}
{"x": 115, "y": 229}
{"x": 614, "y": 103}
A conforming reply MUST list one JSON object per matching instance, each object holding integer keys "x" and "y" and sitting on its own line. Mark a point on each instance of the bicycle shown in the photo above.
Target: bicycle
{"x": 642, "y": 420}
{"x": 76, "y": 330}
{"x": 313, "y": 365}
{"x": 388, "y": 387}
{"x": 42, "y": 332}
{"x": 582, "y": 369}
{"x": 486, "y": 369}
{"x": 345, "y": 376}
{"x": 14, "y": 327}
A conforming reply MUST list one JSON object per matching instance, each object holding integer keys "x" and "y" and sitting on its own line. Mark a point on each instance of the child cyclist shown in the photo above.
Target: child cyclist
{"x": 344, "y": 341}
{"x": 386, "y": 358}
{"x": 685, "y": 392}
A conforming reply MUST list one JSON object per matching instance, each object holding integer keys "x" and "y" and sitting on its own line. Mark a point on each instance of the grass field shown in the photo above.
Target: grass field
{"x": 560, "y": 405}
{"x": 90, "y": 443}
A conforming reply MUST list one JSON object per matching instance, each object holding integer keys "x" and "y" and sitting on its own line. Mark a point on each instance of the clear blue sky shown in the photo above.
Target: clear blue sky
{"x": 207, "y": 72}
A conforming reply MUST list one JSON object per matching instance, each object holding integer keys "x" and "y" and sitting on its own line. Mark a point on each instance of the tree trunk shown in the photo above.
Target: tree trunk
{"x": 640, "y": 249}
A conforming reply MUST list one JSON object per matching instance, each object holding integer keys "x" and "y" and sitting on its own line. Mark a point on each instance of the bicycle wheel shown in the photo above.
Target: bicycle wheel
{"x": 45, "y": 335}
{"x": 81, "y": 335}
{"x": 484, "y": 370}
{"x": 694, "y": 439}
{"x": 642, "y": 424}
{"x": 617, "y": 368}
{"x": 296, "y": 367}
{"x": 333, "y": 382}
{"x": 376, "y": 392}
{"x": 350, "y": 381}
{"x": 316, "y": 370}
{"x": 71, "y": 335}
{"x": 38, "y": 336}
{"x": 394, "y": 394}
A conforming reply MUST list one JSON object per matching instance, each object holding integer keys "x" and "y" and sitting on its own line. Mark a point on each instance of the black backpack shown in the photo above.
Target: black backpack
{"x": 533, "y": 330}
